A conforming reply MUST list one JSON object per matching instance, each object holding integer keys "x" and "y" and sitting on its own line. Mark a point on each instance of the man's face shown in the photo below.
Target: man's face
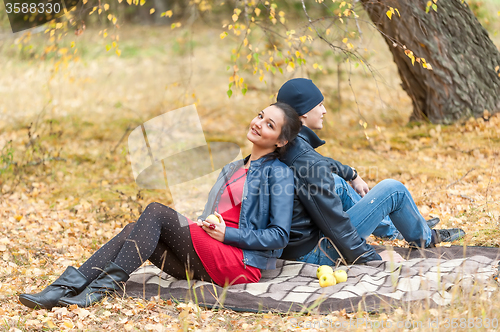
{"x": 314, "y": 118}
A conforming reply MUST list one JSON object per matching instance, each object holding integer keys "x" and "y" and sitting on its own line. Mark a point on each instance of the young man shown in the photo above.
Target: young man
{"x": 326, "y": 206}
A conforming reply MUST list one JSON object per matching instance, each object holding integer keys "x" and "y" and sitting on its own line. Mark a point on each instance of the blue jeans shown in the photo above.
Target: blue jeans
{"x": 349, "y": 197}
{"x": 388, "y": 205}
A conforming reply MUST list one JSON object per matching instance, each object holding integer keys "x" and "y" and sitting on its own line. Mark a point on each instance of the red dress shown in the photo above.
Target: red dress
{"x": 224, "y": 263}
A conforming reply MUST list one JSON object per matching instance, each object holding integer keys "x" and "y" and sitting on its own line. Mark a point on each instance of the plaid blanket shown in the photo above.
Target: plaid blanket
{"x": 428, "y": 276}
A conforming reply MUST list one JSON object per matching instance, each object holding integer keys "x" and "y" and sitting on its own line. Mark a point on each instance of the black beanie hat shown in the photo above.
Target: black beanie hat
{"x": 301, "y": 94}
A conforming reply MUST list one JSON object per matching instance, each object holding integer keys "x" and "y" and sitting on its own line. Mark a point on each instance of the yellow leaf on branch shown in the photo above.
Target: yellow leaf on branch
{"x": 151, "y": 11}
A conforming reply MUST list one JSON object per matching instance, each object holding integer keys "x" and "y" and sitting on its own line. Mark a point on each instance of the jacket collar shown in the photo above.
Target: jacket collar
{"x": 310, "y": 137}
{"x": 254, "y": 163}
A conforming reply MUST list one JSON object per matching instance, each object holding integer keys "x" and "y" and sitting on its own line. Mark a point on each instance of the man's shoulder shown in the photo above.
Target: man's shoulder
{"x": 298, "y": 149}
{"x": 300, "y": 153}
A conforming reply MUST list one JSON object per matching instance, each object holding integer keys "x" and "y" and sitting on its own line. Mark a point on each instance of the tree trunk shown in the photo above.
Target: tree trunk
{"x": 465, "y": 78}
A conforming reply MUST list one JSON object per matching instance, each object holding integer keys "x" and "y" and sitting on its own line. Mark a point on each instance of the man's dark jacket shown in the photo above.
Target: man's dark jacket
{"x": 317, "y": 207}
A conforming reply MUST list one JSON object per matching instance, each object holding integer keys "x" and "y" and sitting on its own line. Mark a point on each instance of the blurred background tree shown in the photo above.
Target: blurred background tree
{"x": 447, "y": 63}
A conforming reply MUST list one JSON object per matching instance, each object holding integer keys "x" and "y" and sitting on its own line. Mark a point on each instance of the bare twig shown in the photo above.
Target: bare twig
{"x": 454, "y": 183}
{"x": 317, "y": 32}
{"x": 357, "y": 26}
{"x": 347, "y": 53}
{"x": 121, "y": 139}
{"x": 333, "y": 244}
{"x": 489, "y": 182}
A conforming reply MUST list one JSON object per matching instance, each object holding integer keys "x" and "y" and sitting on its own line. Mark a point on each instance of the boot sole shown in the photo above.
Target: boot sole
{"x": 32, "y": 304}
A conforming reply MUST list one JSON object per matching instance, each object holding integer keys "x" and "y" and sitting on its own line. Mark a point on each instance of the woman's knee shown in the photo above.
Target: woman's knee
{"x": 154, "y": 206}
{"x": 154, "y": 209}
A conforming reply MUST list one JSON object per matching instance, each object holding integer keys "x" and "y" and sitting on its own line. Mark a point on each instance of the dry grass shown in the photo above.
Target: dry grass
{"x": 58, "y": 212}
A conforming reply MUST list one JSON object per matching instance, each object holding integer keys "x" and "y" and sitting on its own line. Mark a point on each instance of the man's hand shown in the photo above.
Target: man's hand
{"x": 391, "y": 256}
{"x": 360, "y": 186}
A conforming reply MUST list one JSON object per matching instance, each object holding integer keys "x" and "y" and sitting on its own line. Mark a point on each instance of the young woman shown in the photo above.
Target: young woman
{"x": 253, "y": 198}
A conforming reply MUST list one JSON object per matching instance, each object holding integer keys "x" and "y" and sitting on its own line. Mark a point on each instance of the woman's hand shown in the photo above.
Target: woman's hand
{"x": 360, "y": 186}
{"x": 216, "y": 231}
{"x": 391, "y": 256}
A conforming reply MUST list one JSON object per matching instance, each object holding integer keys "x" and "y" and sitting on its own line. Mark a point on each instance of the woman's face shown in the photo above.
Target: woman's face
{"x": 265, "y": 128}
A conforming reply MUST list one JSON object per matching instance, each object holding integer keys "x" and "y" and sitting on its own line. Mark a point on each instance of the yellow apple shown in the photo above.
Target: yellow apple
{"x": 326, "y": 280}
{"x": 213, "y": 219}
{"x": 340, "y": 276}
{"x": 323, "y": 269}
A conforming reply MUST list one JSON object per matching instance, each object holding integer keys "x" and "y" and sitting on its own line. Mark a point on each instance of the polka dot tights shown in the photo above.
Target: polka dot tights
{"x": 161, "y": 235}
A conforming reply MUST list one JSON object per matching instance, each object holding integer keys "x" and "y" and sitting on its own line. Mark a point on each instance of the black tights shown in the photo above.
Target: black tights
{"x": 161, "y": 235}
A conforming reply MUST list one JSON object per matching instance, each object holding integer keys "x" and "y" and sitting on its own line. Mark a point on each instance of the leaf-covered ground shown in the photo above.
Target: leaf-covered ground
{"x": 67, "y": 186}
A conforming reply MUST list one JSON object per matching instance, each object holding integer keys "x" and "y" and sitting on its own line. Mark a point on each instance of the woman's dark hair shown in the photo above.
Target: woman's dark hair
{"x": 289, "y": 130}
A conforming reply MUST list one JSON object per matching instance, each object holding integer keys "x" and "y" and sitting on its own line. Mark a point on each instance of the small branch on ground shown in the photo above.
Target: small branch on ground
{"x": 454, "y": 183}
{"x": 121, "y": 139}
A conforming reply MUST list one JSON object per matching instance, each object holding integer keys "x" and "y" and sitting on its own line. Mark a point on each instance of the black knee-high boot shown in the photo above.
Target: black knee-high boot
{"x": 109, "y": 281}
{"x": 70, "y": 283}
